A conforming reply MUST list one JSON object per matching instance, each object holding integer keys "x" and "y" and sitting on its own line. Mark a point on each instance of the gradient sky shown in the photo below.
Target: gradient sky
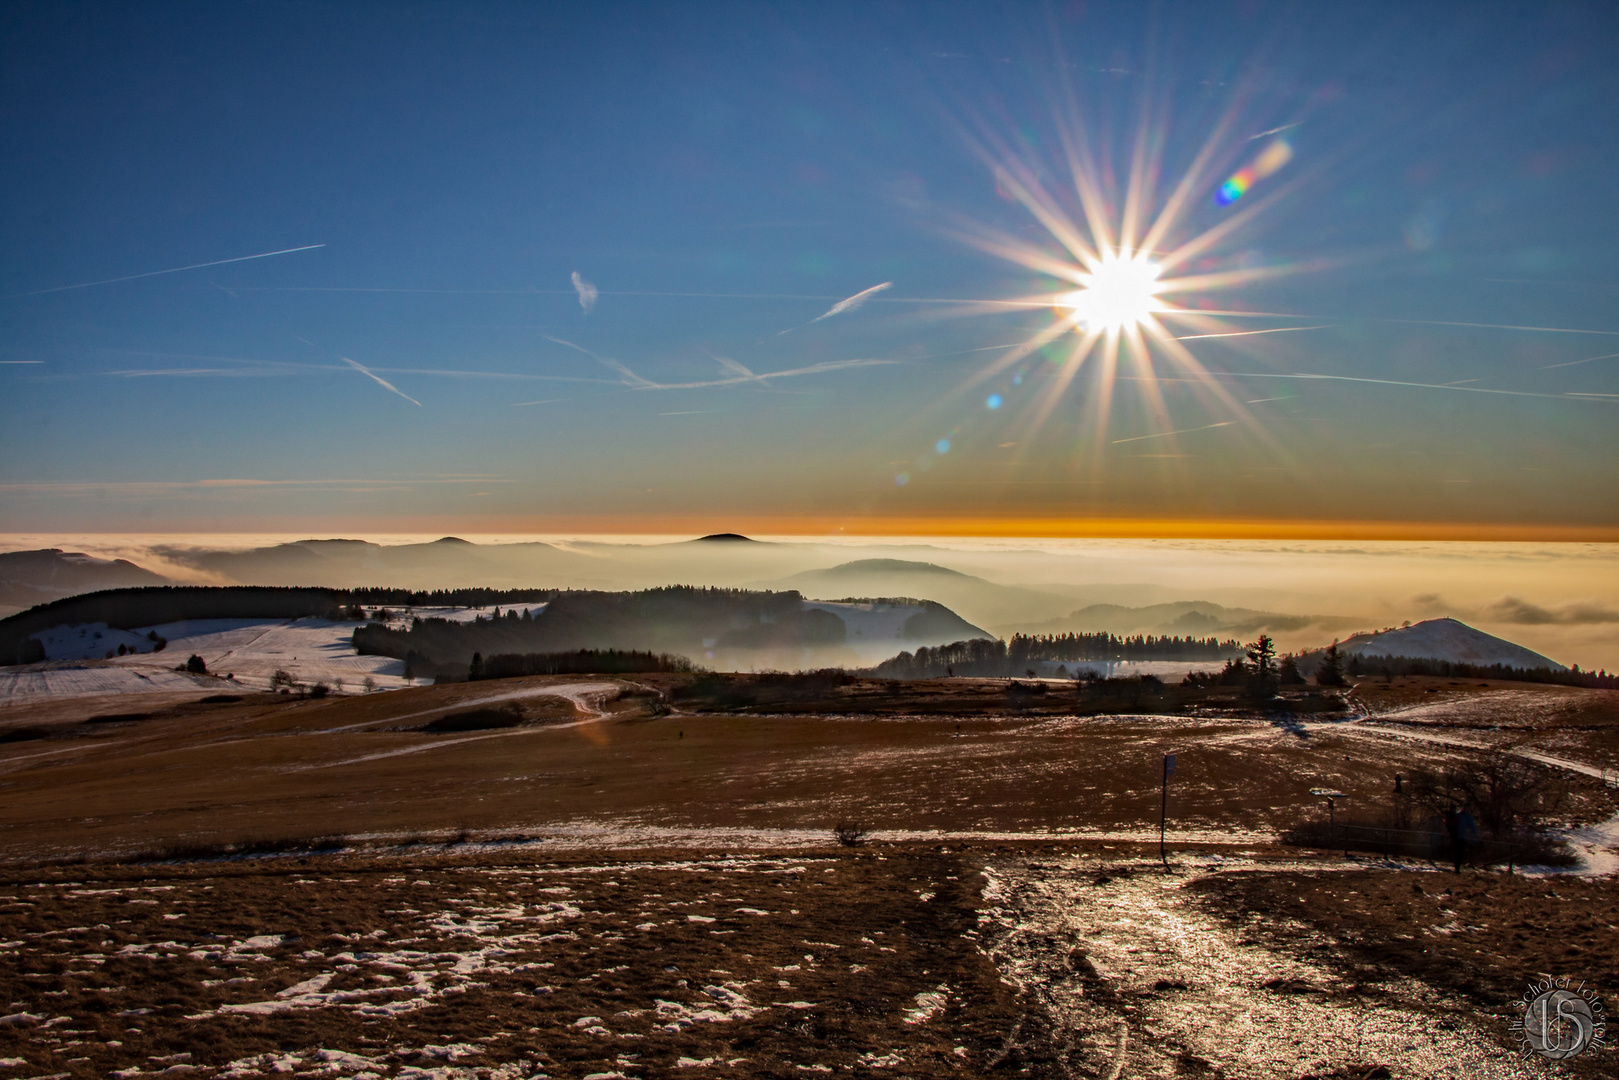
{"x": 719, "y": 176}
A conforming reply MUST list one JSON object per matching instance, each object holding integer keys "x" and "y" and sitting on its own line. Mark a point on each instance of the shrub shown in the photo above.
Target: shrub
{"x": 849, "y": 833}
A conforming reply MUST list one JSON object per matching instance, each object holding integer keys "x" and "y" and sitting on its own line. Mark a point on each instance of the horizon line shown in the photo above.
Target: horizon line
{"x": 807, "y": 528}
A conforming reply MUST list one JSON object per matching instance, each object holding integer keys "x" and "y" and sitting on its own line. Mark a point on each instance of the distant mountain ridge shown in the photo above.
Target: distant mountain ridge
{"x": 708, "y": 625}
{"x": 28, "y": 578}
{"x": 745, "y": 628}
{"x": 1181, "y": 617}
{"x": 976, "y": 599}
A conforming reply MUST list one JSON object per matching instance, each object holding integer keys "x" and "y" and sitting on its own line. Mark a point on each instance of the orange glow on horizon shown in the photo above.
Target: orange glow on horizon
{"x": 922, "y": 526}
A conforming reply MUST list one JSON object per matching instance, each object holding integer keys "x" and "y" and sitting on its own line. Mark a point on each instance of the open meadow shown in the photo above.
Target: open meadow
{"x": 584, "y": 876}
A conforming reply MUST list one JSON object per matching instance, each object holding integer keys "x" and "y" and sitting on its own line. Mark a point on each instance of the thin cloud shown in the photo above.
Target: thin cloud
{"x": 587, "y": 292}
{"x": 1513, "y": 609}
{"x": 173, "y": 270}
{"x": 379, "y": 380}
{"x": 152, "y": 488}
{"x": 854, "y": 302}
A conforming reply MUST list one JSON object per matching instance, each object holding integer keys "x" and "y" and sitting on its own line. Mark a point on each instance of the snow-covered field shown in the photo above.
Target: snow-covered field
{"x": 250, "y": 650}
{"x": 39, "y": 682}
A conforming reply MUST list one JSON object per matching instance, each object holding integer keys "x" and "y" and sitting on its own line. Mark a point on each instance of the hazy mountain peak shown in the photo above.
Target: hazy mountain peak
{"x": 335, "y": 542}
{"x": 891, "y": 566}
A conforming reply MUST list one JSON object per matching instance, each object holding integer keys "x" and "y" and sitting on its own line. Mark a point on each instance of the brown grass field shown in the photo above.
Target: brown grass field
{"x": 612, "y": 877}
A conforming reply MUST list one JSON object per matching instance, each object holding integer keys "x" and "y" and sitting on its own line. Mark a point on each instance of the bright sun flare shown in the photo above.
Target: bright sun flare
{"x": 1113, "y": 247}
{"x": 1122, "y": 292}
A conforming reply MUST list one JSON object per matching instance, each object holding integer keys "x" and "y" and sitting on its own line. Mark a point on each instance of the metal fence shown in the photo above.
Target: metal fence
{"x": 1429, "y": 844}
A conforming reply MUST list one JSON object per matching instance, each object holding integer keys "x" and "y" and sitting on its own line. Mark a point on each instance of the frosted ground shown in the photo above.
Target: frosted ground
{"x": 607, "y": 893}
{"x": 933, "y": 960}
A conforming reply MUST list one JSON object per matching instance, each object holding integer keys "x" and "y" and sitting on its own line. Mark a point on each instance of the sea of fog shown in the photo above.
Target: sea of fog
{"x": 1560, "y": 599}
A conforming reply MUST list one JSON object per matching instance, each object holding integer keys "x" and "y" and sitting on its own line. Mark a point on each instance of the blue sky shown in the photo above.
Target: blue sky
{"x": 722, "y": 175}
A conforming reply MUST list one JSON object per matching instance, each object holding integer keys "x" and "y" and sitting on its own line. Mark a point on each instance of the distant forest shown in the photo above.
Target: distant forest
{"x": 680, "y": 619}
{"x": 573, "y": 620}
{"x": 1405, "y": 665}
{"x": 1001, "y": 659}
{"x": 578, "y": 662}
{"x": 1067, "y": 648}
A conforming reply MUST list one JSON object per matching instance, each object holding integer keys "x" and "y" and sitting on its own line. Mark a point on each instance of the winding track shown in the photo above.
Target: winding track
{"x": 583, "y": 696}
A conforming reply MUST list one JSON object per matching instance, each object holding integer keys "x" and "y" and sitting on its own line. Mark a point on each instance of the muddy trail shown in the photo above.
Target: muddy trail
{"x": 1145, "y": 973}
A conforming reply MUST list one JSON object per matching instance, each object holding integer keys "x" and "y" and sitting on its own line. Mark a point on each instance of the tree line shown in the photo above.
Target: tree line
{"x": 576, "y": 662}
{"x": 985, "y": 658}
{"x": 1402, "y": 665}
{"x": 1067, "y": 648}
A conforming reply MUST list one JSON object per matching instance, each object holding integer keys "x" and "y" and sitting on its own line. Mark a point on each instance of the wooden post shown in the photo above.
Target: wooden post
{"x": 1163, "y": 810}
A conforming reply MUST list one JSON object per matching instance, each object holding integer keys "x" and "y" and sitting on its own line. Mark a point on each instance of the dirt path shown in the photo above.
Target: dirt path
{"x": 583, "y": 696}
{"x": 1137, "y": 980}
{"x": 580, "y": 694}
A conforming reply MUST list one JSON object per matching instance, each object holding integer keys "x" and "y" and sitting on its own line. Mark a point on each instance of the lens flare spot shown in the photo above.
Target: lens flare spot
{"x": 1270, "y": 160}
{"x": 942, "y": 446}
{"x": 993, "y": 401}
{"x": 902, "y": 479}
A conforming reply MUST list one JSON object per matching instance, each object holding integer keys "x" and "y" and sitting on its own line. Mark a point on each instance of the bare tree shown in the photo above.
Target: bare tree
{"x": 849, "y": 833}
{"x": 1506, "y": 793}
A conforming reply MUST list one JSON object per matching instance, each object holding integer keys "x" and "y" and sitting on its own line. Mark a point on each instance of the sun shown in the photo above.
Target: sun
{"x": 1120, "y": 293}
{"x": 1130, "y": 279}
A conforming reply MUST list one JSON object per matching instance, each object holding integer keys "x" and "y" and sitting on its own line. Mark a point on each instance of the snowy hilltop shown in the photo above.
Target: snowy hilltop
{"x": 1448, "y": 640}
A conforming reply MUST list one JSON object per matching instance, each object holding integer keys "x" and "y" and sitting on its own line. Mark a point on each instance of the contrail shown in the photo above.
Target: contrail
{"x": 1182, "y": 431}
{"x": 741, "y": 373}
{"x": 629, "y": 377}
{"x": 735, "y": 368}
{"x": 1251, "y": 333}
{"x": 853, "y": 303}
{"x": 1277, "y": 131}
{"x": 1416, "y": 385}
{"x": 363, "y": 370}
{"x": 1380, "y": 319}
{"x": 175, "y": 270}
{"x": 1570, "y": 363}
